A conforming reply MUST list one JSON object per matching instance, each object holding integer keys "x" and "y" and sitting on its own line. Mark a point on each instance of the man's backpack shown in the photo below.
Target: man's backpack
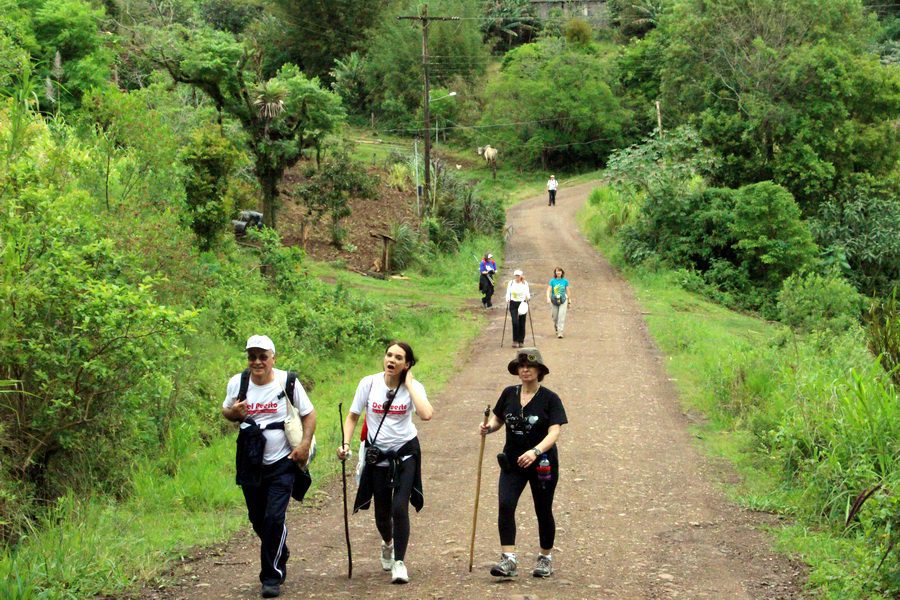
{"x": 289, "y": 384}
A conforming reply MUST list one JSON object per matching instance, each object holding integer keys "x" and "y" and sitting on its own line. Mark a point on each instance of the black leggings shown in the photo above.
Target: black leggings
{"x": 518, "y": 322}
{"x": 512, "y": 485}
{"x": 392, "y": 505}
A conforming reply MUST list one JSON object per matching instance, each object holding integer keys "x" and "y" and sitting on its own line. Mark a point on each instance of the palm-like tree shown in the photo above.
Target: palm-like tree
{"x": 269, "y": 99}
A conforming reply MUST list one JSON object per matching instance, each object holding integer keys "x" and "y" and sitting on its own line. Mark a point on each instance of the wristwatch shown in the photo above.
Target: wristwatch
{"x": 537, "y": 453}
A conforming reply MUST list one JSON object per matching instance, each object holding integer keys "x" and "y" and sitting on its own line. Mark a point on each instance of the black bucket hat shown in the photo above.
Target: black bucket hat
{"x": 527, "y": 356}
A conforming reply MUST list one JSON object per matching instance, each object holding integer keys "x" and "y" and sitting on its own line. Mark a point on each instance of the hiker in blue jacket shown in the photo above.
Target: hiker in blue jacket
{"x": 486, "y": 281}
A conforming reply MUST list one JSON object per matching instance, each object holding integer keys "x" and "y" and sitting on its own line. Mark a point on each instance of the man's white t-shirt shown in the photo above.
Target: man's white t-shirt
{"x": 264, "y": 405}
{"x": 398, "y": 428}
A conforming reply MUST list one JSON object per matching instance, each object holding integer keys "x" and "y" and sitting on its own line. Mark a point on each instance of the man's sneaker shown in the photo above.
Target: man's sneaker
{"x": 387, "y": 556}
{"x": 507, "y": 567}
{"x": 398, "y": 572}
{"x": 271, "y": 591}
{"x": 543, "y": 568}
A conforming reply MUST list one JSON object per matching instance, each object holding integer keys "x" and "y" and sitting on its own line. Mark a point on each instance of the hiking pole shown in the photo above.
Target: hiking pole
{"x": 487, "y": 412}
{"x": 531, "y": 321}
{"x": 344, "y": 480}
{"x": 505, "y": 315}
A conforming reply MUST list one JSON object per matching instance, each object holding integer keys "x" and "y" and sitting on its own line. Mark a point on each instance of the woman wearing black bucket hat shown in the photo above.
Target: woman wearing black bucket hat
{"x": 533, "y": 416}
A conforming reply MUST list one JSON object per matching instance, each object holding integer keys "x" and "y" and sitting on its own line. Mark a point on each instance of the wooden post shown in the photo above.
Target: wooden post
{"x": 385, "y": 251}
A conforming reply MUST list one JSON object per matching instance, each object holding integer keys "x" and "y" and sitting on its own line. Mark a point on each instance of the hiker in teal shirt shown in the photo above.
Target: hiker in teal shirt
{"x": 559, "y": 297}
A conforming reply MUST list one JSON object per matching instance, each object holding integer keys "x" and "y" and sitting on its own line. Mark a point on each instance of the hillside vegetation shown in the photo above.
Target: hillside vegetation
{"x": 132, "y": 133}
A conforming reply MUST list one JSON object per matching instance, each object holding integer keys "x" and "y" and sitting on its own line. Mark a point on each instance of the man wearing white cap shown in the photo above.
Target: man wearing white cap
{"x": 261, "y": 404}
{"x": 552, "y": 186}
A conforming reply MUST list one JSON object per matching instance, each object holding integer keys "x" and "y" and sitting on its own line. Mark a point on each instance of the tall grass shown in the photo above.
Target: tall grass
{"x": 811, "y": 421}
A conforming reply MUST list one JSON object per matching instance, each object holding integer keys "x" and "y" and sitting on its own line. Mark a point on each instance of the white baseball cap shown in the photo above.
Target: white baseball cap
{"x": 518, "y": 272}
{"x": 262, "y": 342}
{"x": 490, "y": 255}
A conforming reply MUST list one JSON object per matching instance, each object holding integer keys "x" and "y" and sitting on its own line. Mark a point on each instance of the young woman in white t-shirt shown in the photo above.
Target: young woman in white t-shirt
{"x": 392, "y": 473}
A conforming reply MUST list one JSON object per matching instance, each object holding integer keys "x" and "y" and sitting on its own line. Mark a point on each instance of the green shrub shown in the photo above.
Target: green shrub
{"x": 744, "y": 242}
{"x": 398, "y": 176}
{"x": 769, "y": 236}
{"x": 440, "y": 234}
{"x": 811, "y": 302}
{"x": 407, "y": 250}
{"x": 862, "y": 219}
{"x": 578, "y": 32}
{"x": 883, "y": 332}
{"x": 209, "y": 158}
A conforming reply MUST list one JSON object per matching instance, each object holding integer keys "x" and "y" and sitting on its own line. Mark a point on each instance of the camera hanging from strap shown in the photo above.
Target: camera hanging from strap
{"x": 373, "y": 454}
{"x": 391, "y": 394}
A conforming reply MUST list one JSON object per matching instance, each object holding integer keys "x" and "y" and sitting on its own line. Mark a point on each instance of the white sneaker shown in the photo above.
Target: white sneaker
{"x": 387, "y": 556}
{"x": 398, "y": 572}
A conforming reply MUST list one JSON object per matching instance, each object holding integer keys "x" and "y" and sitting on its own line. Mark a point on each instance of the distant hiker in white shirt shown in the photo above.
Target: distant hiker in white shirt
{"x": 552, "y": 186}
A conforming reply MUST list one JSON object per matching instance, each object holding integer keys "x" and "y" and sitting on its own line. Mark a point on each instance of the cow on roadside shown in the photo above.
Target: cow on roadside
{"x": 490, "y": 156}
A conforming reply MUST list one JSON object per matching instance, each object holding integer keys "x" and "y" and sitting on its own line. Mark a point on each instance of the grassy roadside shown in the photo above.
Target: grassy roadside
{"x": 808, "y": 422}
{"x": 87, "y": 547}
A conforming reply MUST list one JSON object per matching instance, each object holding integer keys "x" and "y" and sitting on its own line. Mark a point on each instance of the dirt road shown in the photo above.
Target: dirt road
{"x": 639, "y": 511}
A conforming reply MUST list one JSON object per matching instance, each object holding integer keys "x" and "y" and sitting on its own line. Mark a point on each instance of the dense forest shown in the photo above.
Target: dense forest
{"x": 751, "y": 149}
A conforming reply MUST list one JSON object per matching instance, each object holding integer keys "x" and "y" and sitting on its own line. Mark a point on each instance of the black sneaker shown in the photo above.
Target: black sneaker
{"x": 271, "y": 591}
{"x": 507, "y": 567}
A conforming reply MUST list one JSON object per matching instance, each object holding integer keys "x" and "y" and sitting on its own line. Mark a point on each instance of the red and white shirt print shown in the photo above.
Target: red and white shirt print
{"x": 371, "y": 398}
{"x": 264, "y": 405}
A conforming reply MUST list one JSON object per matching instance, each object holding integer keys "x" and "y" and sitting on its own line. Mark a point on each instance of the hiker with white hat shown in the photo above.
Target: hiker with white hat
{"x": 552, "y": 186}
{"x": 517, "y": 294}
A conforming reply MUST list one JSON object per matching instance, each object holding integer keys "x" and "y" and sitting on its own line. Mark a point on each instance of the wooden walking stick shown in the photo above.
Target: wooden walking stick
{"x": 487, "y": 412}
{"x": 505, "y": 316}
{"x": 531, "y": 322}
{"x": 344, "y": 479}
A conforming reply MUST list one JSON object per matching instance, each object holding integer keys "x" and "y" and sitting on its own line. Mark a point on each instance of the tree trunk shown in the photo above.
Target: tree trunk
{"x": 268, "y": 182}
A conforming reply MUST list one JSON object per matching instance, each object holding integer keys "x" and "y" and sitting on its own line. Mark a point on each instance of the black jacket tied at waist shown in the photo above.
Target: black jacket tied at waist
{"x": 367, "y": 489}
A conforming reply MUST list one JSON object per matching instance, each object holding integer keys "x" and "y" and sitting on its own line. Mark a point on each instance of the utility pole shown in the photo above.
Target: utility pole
{"x": 424, "y": 19}
{"x": 418, "y": 193}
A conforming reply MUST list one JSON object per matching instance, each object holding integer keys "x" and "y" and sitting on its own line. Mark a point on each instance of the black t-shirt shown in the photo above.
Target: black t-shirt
{"x": 526, "y": 427}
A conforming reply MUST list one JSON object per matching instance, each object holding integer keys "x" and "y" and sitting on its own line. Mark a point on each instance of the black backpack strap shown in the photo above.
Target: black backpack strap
{"x": 289, "y": 384}
{"x": 245, "y": 383}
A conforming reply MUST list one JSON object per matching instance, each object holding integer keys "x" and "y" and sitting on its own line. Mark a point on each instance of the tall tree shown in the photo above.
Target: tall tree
{"x": 786, "y": 90}
{"x": 552, "y": 105}
{"x": 457, "y": 55}
{"x": 509, "y": 23}
{"x": 280, "y": 115}
{"x": 318, "y": 32}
